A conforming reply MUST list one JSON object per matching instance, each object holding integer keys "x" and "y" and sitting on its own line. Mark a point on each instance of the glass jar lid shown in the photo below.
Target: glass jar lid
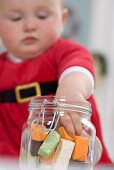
{"x": 62, "y": 103}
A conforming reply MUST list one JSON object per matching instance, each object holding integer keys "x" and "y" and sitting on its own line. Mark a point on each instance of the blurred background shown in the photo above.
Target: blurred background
{"x": 91, "y": 23}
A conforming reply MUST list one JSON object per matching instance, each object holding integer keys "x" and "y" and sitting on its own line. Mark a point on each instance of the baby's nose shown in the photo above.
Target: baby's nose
{"x": 30, "y": 25}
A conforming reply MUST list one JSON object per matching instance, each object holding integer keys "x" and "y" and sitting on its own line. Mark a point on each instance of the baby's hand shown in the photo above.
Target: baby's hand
{"x": 71, "y": 122}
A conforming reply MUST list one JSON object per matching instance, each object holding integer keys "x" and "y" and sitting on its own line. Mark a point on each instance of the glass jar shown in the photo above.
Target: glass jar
{"x": 44, "y": 114}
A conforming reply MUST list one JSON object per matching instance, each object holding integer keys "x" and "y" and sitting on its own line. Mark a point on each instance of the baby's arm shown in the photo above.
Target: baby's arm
{"x": 76, "y": 86}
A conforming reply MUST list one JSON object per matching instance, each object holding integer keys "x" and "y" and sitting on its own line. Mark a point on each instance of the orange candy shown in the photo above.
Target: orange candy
{"x": 81, "y": 148}
{"x": 37, "y": 133}
{"x": 63, "y": 133}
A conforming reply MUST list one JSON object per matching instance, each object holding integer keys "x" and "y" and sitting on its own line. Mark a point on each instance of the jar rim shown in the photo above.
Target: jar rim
{"x": 61, "y": 102}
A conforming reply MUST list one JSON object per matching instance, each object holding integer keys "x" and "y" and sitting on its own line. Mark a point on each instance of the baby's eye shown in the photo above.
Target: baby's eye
{"x": 42, "y": 17}
{"x": 18, "y": 18}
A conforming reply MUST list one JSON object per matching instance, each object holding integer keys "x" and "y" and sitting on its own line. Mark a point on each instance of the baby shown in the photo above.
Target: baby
{"x": 38, "y": 58}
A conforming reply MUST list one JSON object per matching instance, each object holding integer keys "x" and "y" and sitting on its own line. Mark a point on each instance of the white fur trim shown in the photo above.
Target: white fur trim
{"x": 78, "y": 69}
{"x": 15, "y": 59}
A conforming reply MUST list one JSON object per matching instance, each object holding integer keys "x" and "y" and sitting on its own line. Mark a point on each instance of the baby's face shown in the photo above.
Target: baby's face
{"x": 29, "y": 27}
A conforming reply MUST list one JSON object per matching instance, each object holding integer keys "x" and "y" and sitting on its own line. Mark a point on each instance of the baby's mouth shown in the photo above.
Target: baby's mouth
{"x": 30, "y": 40}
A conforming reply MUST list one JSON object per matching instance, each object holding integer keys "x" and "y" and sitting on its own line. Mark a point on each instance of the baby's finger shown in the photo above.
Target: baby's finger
{"x": 66, "y": 121}
{"x": 76, "y": 120}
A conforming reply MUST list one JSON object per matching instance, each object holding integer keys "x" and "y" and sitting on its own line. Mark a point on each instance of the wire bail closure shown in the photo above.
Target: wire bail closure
{"x": 52, "y": 124}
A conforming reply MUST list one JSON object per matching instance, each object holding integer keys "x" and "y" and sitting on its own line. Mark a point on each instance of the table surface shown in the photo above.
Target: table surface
{"x": 9, "y": 164}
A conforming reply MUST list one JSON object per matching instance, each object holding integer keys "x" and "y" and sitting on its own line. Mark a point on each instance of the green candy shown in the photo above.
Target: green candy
{"x": 49, "y": 145}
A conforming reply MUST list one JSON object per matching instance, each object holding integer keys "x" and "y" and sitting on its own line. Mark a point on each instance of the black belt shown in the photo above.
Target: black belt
{"x": 23, "y": 93}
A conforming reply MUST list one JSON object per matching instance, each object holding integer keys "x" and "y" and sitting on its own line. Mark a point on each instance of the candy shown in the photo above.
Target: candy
{"x": 34, "y": 147}
{"x": 38, "y": 132}
{"x": 62, "y": 161}
{"x": 63, "y": 133}
{"x": 80, "y": 149}
{"x": 49, "y": 145}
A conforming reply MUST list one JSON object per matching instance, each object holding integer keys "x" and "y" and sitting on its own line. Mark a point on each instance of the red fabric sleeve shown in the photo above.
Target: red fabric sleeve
{"x": 72, "y": 54}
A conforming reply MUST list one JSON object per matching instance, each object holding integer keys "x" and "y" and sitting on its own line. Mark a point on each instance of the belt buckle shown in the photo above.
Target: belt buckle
{"x": 27, "y": 86}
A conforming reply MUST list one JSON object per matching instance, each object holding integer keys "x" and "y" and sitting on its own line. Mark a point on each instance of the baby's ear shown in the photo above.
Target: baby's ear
{"x": 65, "y": 15}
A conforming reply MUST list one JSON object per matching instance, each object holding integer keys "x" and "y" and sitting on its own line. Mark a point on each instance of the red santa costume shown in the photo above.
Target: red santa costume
{"x": 20, "y": 80}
